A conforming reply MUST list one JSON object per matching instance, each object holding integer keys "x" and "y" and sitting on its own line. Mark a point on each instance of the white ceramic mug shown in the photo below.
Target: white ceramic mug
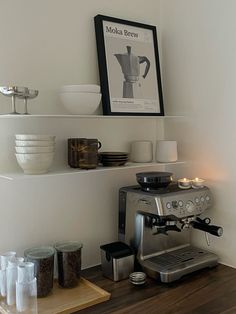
{"x": 141, "y": 151}
{"x": 166, "y": 151}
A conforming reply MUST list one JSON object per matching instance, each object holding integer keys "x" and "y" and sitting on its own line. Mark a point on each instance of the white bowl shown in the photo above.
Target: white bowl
{"x": 81, "y": 103}
{"x": 92, "y": 88}
{"x": 34, "y": 143}
{"x": 34, "y": 149}
{"x": 35, "y": 137}
{"x": 35, "y": 163}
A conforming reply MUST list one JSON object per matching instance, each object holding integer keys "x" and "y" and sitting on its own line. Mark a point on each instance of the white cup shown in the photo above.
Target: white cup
{"x": 141, "y": 151}
{"x": 166, "y": 151}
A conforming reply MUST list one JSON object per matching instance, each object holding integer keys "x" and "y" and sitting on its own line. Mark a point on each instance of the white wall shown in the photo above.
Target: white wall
{"x": 45, "y": 44}
{"x": 199, "y": 74}
{"x": 49, "y": 43}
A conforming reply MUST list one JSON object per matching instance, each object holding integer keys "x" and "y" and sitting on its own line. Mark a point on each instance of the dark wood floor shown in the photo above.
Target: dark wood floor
{"x": 210, "y": 291}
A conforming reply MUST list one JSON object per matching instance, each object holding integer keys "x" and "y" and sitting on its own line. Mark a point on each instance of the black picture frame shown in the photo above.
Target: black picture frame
{"x": 125, "y": 102}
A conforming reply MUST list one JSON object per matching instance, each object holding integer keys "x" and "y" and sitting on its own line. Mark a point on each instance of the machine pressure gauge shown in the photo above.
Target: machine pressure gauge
{"x": 190, "y": 207}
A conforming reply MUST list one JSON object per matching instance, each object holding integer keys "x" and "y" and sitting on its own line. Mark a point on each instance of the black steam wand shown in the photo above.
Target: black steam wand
{"x": 203, "y": 225}
{"x": 163, "y": 225}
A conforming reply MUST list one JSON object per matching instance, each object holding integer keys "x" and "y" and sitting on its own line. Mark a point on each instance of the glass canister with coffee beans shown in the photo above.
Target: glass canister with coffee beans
{"x": 69, "y": 263}
{"x": 43, "y": 259}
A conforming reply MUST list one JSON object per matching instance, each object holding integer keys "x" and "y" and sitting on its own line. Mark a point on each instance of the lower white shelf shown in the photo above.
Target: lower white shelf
{"x": 72, "y": 171}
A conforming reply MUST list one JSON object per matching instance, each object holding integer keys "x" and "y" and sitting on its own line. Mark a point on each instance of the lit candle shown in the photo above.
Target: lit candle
{"x": 198, "y": 183}
{"x": 184, "y": 183}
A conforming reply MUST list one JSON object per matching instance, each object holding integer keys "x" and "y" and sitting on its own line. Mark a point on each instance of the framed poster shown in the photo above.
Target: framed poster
{"x": 129, "y": 67}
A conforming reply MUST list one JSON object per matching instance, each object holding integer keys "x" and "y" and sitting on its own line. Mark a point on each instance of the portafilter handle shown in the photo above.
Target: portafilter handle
{"x": 203, "y": 225}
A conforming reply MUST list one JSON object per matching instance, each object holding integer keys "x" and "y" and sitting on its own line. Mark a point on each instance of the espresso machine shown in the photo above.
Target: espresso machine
{"x": 155, "y": 219}
{"x": 130, "y": 65}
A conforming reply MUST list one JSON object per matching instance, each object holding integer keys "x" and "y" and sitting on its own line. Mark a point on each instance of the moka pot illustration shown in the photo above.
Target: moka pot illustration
{"x": 130, "y": 65}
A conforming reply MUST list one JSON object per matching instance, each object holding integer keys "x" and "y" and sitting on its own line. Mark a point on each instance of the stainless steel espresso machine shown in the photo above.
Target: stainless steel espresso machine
{"x": 155, "y": 218}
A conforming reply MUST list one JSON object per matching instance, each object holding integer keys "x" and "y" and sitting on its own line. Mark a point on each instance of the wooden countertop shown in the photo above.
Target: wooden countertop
{"x": 204, "y": 292}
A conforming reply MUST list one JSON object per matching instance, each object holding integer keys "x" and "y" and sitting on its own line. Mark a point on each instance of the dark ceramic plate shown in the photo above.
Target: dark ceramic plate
{"x": 113, "y": 154}
{"x": 114, "y": 158}
{"x": 113, "y": 163}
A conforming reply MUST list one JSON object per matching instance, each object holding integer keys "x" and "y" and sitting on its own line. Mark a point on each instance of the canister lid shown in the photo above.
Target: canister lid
{"x": 69, "y": 246}
{"x": 117, "y": 249}
{"x": 39, "y": 252}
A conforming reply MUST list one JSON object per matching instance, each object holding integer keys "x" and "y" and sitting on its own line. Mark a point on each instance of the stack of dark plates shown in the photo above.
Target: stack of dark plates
{"x": 113, "y": 159}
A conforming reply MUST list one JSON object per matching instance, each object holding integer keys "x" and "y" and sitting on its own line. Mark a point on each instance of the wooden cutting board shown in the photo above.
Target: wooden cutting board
{"x": 67, "y": 301}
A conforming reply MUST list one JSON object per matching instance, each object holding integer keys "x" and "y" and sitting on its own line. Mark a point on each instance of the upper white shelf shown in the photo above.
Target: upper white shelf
{"x": 23, "y": 116}
{"x": 71, "y": 171}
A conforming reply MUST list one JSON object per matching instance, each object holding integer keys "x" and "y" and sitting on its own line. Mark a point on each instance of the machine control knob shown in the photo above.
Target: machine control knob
{"x": 202, "y": 199}
{"x": 207, "y": 198}
{"x": 168, "y": 205}
{"x": 197, "y": 200}
{"x": 181, "y": 204}
{"x": 175, "y": 204}
{"x": 190, "y": 207}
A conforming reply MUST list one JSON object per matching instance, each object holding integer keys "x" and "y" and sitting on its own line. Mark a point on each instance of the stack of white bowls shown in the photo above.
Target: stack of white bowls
{"x": 34, "y": 152}
{"x": 81, "y": 99}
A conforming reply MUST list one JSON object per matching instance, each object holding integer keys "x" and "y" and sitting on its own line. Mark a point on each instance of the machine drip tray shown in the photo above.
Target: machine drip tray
{"x": 174, "y": 264}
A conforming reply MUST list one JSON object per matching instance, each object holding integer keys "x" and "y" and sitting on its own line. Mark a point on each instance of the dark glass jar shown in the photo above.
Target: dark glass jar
{"x": 69, "y": 263}
{"x": 43, "y": 259}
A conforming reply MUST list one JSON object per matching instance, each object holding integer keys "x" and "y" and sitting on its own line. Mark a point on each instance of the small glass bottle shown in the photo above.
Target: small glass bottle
{"x": 25, "y": 272}
{"x": 11, "y": 277}
{"x": 69, "y": 263}
{"x": 4, "y": 258}
{"x": 43, "y": 259}
{"x": 26, "y": 296}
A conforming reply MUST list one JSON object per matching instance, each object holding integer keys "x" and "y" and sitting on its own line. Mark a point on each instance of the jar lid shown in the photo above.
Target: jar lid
{"x": 69, "y": 246}
{"x": 40, "y": 252}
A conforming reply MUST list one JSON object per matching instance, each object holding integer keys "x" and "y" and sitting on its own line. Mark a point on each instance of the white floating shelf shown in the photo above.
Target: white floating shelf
{"x": 71, "y": 171}
{"x": 22, "y": 116}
